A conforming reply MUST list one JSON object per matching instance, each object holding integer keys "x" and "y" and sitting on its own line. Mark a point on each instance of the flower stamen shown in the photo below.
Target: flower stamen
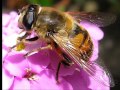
{"x": 30, "y": 75}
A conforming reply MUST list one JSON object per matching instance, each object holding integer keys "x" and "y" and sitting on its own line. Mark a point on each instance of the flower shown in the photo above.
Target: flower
{"x": 38, "y": 70}
{"x": 31, "y": 73}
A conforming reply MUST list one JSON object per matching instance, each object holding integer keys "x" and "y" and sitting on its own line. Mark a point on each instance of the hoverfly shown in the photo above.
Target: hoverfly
{"x": 63, "y": 33}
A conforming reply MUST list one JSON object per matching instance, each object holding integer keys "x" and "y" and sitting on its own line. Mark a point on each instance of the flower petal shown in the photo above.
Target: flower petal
{"x": 20, "y": 84}
{"x": 13, "y": 14}
{"x": 77, "y": 81}
{"x": 16, "y": 64}
{"x": 81, "y": 80}
{"x": 46, "y": 81}
{"x": 7, "y": 41}
{"x": 4, "y": 54}
{"x": 39, "y": 61}
{"x": 8, "y": 31}
{"x": 7, "y": 79}
{"x": 95, "y": 50}
{"x": 5, "y": 19}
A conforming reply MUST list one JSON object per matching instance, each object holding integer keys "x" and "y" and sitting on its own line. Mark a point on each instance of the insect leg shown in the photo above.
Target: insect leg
{"x": 21, "y": 32}
{"x": 20, "y": 39}
{"x": 32, "y": 39}
{"x": 66, "y": 61}
{"x": 37, "y": 50}
{"x": 49, "y": 46}
{"x": 58, "y": 68}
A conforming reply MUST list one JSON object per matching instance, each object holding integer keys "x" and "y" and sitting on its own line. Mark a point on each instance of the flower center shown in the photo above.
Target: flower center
{"x": 30, "y": 75}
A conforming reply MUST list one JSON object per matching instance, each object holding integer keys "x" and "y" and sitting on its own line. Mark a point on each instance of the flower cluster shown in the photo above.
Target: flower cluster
{"x": 37, "y": 72}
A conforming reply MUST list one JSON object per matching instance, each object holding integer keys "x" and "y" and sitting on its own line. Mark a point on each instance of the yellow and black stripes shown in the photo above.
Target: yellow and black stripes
{"x": 81, "y": 40}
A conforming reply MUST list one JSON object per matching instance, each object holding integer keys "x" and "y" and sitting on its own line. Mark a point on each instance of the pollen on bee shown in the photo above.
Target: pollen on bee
{"x": 20, "y": 46}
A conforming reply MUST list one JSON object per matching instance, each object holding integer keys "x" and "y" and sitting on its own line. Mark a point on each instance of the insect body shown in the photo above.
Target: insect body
{"x": 57, "y": 24}
{"x": 62, "y": 32}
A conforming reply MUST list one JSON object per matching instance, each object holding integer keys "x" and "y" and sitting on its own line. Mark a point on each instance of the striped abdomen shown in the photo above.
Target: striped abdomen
{"x": 81, "y": 40}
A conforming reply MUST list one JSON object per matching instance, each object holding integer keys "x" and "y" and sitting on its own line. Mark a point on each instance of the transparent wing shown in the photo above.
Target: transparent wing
{"x": 93, "y": 69}
{"x": 98, "y": 18}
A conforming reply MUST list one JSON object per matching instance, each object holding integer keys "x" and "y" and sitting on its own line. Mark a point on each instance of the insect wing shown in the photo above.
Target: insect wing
{"x": 93, "y": 69}
{"x": 98, "y": 73}
{"x": 98, "y": 18}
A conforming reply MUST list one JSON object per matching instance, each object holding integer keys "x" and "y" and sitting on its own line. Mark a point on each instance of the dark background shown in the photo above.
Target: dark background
{"x": 109, "y": 46}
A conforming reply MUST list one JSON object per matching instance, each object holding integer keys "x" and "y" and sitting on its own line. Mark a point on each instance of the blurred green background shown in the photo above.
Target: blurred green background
{"x": 109, "y": 46}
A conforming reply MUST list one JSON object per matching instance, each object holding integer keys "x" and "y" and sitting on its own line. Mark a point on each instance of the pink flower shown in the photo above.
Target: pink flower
{"x": 38, "y": 70}
{"x": 31, "y": 73}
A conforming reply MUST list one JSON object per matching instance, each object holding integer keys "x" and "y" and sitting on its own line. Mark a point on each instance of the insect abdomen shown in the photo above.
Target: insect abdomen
{"x": 81, "y": 40}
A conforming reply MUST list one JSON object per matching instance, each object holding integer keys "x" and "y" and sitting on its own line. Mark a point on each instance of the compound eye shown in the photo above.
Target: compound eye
{"x": 29, "y": 18}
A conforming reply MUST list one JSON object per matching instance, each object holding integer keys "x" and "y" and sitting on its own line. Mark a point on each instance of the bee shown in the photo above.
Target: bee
{"x": 62, "y": 32}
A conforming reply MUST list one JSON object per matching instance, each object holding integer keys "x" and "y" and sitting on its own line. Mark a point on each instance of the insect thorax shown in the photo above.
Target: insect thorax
{"x": 50, "y": 20}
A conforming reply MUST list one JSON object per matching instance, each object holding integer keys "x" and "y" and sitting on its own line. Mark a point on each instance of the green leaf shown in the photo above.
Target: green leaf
{"x": 42, "y": 2}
